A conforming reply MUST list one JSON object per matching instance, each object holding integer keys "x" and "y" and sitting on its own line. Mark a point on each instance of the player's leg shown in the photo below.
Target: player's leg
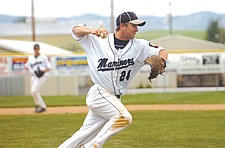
{"x": 91, "y": 126}
{"x": 32, "y": 90}
{"x": 117, "y": 115}
{"x": 116, "y": 124}
{"x": 36, "y": 85}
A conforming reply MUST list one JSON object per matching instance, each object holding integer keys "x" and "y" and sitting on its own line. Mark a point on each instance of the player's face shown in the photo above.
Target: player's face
{"x": 36, "y": 51}
{"x": 131, "y": 30}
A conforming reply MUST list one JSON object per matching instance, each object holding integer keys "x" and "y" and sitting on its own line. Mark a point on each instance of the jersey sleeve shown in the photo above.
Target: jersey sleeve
{"x": 149, "y": 49}
{"x": 86, "y": 41}
{"x": 74, "y": 35}
{"x": 47, "y": 63}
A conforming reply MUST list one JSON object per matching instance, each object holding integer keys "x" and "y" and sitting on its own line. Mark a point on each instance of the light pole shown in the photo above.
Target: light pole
{"x": 170, "y": 20}
{"x": 33, "y": 20}
{"x": 112, "y": 17}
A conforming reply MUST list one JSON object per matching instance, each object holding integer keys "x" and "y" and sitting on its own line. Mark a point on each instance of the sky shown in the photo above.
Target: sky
{"x": 68, "y": 8}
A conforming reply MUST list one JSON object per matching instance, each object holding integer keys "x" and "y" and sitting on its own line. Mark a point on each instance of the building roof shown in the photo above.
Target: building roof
{"x": 182, "y": 43}
{"x": 26, "y": 47}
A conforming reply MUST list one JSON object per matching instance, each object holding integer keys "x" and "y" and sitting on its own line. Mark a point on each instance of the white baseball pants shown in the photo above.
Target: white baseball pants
{"x": 106, "y": 117}
{"x": 36, "y": 85}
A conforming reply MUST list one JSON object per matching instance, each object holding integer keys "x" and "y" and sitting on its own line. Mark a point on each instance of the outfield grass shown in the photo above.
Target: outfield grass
{"x": 149, "y": 129}
{"x": 154, "y": 34}
{"x": 161, "y": 98}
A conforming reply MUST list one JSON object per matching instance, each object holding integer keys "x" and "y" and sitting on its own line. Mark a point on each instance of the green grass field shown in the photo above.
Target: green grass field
{"x": 150, "y": 129}
{"x": 164, "y": 98}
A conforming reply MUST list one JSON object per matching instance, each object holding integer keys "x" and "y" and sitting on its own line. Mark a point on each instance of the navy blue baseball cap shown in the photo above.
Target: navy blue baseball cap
{"x": 130, "y": 17}
{"x": 36, "y": 46}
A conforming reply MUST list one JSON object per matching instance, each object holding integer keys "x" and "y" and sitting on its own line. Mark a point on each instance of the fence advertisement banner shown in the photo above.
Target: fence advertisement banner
{"x": 182, "y": 64}
{"x": 18, "y": 63}
{"x": 71, "y": 65}
{"x": 4, "y": 65}
{"x": 204, "y": 63}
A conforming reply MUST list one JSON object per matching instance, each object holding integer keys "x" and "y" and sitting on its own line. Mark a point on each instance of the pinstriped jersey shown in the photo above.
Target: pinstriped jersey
{"x": 111, "y": 68}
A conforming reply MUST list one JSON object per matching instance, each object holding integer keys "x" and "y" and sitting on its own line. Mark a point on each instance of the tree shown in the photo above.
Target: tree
{"x": 215, "y": 33}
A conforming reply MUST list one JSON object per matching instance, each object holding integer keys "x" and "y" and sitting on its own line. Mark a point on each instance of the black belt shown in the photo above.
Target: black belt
{"x": 118, "y": 96}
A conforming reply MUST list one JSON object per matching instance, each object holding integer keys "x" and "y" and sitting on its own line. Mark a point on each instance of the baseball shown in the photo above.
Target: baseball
{"x": 42, "y": 68}
{"x": 103, "y": 35}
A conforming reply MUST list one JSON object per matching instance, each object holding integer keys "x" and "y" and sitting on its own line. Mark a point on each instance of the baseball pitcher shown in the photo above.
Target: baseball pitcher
{"x": 113, "y": 60}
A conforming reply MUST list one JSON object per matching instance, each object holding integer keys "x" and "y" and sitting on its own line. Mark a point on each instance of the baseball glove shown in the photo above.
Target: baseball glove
{"x": 157, "y": 64}
{"x": 39, "y": 73}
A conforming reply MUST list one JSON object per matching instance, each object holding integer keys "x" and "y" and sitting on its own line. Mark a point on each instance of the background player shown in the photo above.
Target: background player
{"x": 113, "y": 60}
{"x": 38, "y": 64}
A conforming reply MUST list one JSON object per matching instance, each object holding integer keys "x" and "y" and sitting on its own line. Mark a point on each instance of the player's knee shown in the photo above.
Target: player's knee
{"x": 122, "y": 121}
{"x": 34, "y": 92}
{"x": 129, "y": 118}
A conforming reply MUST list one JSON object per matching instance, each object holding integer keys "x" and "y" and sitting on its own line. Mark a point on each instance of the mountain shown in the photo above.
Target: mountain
{"x": 8, "y": 18}
{"x": 195, "y": 21}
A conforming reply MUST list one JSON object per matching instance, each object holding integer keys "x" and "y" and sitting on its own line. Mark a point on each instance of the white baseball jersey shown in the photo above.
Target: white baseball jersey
{"x": 41, "y": 62}
{"x": 111, "y": 68}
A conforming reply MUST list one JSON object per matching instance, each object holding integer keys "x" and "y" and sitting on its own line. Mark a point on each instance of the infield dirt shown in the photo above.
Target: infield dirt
{"x": 84, "y": 109}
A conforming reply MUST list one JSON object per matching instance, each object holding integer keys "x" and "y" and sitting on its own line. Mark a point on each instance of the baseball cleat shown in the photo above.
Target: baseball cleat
{"x": 39, "y": 109}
